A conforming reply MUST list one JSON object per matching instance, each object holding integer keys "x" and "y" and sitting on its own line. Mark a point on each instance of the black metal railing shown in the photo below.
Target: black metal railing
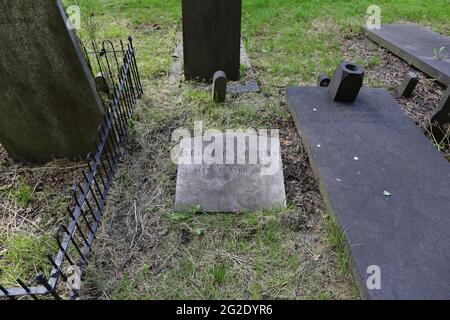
{"x": 115, "y": 66}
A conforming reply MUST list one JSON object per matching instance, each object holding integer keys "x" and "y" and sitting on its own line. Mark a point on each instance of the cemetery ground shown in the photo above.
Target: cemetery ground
{"x": 145, "y": 250}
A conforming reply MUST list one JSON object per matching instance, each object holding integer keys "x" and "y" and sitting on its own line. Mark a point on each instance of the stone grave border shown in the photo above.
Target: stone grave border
{"x": 75, "y": 240}
{"x": 404, "y": 52}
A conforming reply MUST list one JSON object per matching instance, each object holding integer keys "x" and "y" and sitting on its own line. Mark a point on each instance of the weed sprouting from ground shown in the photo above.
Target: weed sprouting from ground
{"x": 337, "y": 240}
{"x": 22, "y": 194}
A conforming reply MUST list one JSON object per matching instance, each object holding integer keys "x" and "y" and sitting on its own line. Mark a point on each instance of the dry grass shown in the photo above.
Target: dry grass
{"x": 147, "y": 251}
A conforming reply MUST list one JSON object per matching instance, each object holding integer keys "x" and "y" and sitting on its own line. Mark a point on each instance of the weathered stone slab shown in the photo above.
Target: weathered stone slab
{"x": 386, "y": 185}
{"x": 102, "y": 83}
{"x": 416, "y": 45}
{"x": 245, "y": 180}
{"x": 48, "y": 101}
{"x": 211, "y": 38}
{"x": 248, "y": 86}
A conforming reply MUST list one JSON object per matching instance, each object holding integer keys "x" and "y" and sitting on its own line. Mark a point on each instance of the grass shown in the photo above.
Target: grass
{"x": 145, "y": 250}
{"x": 24, "y": 255}
{"x": 22, "y": 194}
{"x": 337, "y": 241}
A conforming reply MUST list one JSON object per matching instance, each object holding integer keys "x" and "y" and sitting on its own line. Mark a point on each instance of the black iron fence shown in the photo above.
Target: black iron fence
{"x": 117, "y": 76}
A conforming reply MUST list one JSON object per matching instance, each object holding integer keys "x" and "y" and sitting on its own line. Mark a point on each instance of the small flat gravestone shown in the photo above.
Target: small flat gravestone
{"x": 230, "y": 173}
{"x": 426, "y": 50}
{"x": 386, "y": 185}
{"x": 211, "y": 38}
{"x": 48, "y": 100}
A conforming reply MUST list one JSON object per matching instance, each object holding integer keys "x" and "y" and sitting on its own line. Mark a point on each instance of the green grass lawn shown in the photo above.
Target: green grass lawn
{"x": 288, "y": 40}
{"x": 297, "y": 253}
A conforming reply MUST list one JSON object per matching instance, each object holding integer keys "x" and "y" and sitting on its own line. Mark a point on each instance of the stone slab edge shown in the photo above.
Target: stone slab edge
{"x": 409, "y": 58}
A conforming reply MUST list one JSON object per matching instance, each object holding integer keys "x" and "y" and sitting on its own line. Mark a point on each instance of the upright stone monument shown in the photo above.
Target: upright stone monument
{"x": 49, "y": 105}
{"x": 211, "y": 38}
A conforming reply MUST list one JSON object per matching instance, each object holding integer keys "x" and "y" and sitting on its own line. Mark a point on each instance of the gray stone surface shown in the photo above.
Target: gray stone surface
{"x": 177, "y": 69}
{"x": 211, "y": 38}
{"x": 48, "y": 101}
{"x": 416, "y": 44}
{"x": 346, "y": 82}
{"x": 219, "y": 88}
{"x": 363, "y": 152}
{"x": 442, "y": 112}
{"x": 236, "y": 186}
{"x": 248, "y": 86}
{"x": 408, "y": 85}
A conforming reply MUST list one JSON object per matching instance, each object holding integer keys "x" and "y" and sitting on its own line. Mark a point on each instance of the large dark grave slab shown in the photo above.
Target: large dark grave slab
{"x": 48, "y": 100}
{"x": 211, "y": 38}
{"x": 387, "y": 187}
{"x": 416, "y": 45}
